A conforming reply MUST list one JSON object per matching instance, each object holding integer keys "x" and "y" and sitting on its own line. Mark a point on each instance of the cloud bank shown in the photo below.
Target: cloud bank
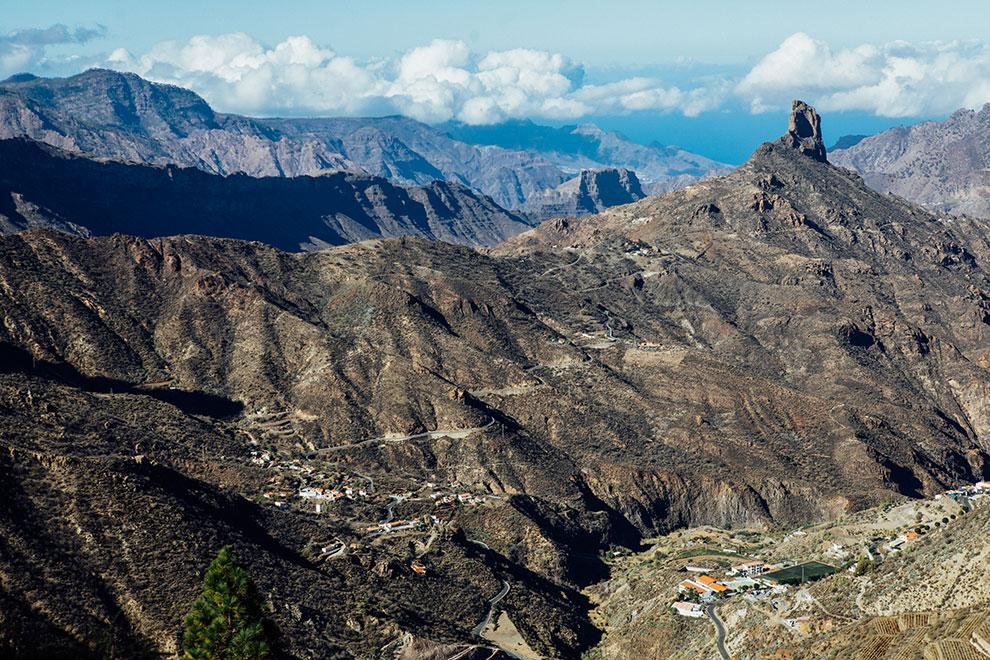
{"x": 21, "y": 50}
{"x": 445, "y": 80}
{"x": 437, "y": 82}
{"x": 899, "y": 79}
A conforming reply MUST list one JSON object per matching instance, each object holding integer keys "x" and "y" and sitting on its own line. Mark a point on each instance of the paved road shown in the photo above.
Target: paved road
{"x": 478, "y": 629}
{"x": 390, "y": 508}
{"x": 562, "y": 266}
{"x": 476, "y": 542}
{"x": 452, "y": 433}
{"x": 719, "y": 631}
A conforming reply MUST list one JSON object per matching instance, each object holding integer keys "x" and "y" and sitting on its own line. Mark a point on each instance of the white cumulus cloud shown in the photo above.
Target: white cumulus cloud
{"x": 439, "y": 81}
{"x": 444, "y": 79}
{"x": 898, "y": 79}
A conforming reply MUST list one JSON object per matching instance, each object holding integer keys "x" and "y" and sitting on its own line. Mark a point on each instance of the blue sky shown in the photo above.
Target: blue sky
{"x": 713, "y": 76}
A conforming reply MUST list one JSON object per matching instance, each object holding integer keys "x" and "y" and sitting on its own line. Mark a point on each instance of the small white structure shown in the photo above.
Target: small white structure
{"x": 836, "y": 551}
{"x": 895, "y": 545}
{"x": 748, "y": 569}
{"x": 692, "y": 610}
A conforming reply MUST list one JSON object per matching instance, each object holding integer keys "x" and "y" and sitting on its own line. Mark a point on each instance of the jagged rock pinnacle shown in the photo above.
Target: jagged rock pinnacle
{"x": 805, "y": 132}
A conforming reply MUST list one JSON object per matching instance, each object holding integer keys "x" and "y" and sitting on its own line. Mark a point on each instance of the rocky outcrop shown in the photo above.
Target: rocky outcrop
{"x": 42, "y": 186}
{"x": 804, "y": 131}
{"x": 592, "y": 191}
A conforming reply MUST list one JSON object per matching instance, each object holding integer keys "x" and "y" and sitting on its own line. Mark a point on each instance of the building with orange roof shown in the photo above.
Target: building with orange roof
{"x": 704, "y": 585}
{"x": 691, "y": 585}
{"x": 712, "y": 583}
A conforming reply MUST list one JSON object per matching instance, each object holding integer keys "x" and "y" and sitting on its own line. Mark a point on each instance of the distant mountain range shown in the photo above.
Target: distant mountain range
{"x": 587, "y": 147}
{"x": 942, "y": 165}
{"x": 120, "y": 116}
{"x": 42, "y": 186}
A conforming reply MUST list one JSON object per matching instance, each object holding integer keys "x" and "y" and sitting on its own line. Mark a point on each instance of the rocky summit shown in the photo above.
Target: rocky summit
{"x": 805, "y": 132}
{"x": 408, "y": 440}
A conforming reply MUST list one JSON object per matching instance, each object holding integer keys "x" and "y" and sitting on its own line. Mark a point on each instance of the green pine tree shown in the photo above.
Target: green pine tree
{"x": 226, "y": 622}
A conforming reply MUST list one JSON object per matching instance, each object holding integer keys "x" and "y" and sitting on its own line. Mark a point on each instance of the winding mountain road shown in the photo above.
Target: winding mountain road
{"x": 452, "y": 433}
{"x": 561, "y": 266}
{"x": 719, "y": 631}
{"x": 478, "y": 629}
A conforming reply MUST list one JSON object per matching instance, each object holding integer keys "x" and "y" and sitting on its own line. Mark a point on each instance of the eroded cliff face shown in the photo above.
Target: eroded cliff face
{"x": 771, "y": 348}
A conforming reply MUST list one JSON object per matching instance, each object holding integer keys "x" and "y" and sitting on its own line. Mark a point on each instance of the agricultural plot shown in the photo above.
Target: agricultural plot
{"x": 805, "y": 572}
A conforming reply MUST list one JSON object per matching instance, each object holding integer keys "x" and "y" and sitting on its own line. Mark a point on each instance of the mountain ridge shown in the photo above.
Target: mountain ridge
{"x": 587, "y": 147}
{"x": 102, "y": 113}
{"x": 942, "y": 165}
{"x": 44, "y": 186}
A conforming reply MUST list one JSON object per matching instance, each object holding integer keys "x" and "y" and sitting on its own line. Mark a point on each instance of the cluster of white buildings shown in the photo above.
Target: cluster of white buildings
{"x": 265, "y": 459}
{"x": 977, "y": 491}
{"x": 331, "y": 494}
{"x": 743, "y": 576}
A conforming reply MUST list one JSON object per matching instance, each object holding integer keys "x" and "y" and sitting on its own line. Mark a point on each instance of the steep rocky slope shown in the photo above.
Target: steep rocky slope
{"x": 124, "y": 117}
{"x": 779, "y": 346}
{"x": 114, "y": 502}
{"x": 592, "y": 191}
{"x": 42, "y": 186}
{"x": 942, "y": 165}
{"x": 793, "y": 270}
